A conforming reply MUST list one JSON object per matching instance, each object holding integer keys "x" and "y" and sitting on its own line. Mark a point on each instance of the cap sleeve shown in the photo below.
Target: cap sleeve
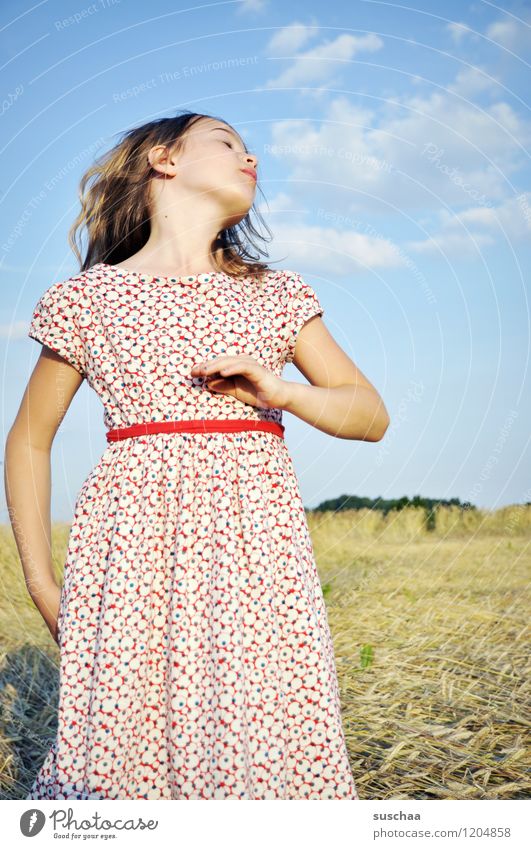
{"x": 55, "y": 322}
{"x": 302, "y": 305}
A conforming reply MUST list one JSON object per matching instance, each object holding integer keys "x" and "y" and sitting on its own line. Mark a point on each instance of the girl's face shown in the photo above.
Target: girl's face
{"x": 212, "y": 161}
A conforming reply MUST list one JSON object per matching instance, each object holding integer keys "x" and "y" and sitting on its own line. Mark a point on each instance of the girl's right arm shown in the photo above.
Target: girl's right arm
{"x": 27, "y": 475}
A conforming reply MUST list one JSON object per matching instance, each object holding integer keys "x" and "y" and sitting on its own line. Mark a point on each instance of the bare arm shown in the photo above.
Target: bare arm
{"x": 340, "y": 401}
{"x": 27, "y": 476}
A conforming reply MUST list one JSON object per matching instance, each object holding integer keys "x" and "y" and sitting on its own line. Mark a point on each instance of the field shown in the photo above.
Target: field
{"x": 431, "y": 636}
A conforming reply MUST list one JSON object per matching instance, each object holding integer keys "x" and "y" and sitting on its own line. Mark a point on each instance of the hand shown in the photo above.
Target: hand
{"x": 245, "y": 379}
{"x": 48, "y": 600}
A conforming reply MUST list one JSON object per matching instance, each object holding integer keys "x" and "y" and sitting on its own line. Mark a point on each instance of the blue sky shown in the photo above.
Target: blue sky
{"x": 393, "y": 146}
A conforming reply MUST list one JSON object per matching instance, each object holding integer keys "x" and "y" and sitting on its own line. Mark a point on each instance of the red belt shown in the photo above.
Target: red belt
{"x": 194, "y": 426}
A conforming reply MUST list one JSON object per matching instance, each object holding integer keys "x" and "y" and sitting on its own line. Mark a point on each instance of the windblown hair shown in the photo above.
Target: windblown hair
{"x": 116, "y": 212}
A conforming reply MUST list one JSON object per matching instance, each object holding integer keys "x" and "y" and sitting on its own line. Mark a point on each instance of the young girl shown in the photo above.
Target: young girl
{"x": 196, "y": 660}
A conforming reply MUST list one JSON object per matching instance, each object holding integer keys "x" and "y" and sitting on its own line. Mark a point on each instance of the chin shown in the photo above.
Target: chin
{"x": 238, "y": 200}
{"x": 233, "y": 218}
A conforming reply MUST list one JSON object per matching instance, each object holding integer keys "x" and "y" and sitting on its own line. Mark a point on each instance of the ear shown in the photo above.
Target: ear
{"x": 160, "y": 158}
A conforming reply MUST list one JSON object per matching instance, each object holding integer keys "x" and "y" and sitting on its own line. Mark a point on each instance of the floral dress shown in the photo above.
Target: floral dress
{"x": 196, "y": 660}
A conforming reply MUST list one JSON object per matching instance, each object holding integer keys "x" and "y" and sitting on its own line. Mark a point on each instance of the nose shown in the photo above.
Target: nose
{"x": 251, "y": 160}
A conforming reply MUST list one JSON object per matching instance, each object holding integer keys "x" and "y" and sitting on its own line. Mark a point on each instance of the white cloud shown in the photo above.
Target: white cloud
{"x": 484, "y": 216}
{"x": 332, "y": 250}
{"x": 291, "y": 38}
{"x": 511, "y": 218}
{"x": 281, "y": 202}
{"x": 418, "y": 152}
{"x": 510, "y": 33}
{"x": 15, "y": 330}
{"x": 454, "y": 245}
{"x": 335, "y": 152}
{"x": 474, "y": 80}
{"x": 459, "y": 30}
{"x": 513, "y": 33}
{"x": 320, "y": 62}
{"x": 251, "y": 5}
{"x": 426, "y": 153}
{"x": 475, "y": 227}
{"x": 413, "y": 158}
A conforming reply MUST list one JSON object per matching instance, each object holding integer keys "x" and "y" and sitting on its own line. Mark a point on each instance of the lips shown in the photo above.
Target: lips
{"x": 249, "y": 171}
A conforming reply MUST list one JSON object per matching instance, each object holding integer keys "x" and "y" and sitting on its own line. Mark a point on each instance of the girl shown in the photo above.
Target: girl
{"x": 196, "y": 657}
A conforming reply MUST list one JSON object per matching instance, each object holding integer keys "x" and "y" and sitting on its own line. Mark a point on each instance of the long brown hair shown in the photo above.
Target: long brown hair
{"x": 115, "y": 208}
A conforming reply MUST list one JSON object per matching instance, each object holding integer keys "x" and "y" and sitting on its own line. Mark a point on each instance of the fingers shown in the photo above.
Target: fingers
{"x": 220, "y": 364}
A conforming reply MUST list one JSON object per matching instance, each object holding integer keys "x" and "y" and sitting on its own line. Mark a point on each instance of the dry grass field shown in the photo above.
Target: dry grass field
{"x": 431, "y": 635}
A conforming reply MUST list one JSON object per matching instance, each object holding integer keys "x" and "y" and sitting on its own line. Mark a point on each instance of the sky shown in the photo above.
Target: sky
{"x": 393, "y": 145}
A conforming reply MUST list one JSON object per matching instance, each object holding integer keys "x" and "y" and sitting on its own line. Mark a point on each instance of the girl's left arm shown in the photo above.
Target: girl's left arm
{"x": 341, "y": 401}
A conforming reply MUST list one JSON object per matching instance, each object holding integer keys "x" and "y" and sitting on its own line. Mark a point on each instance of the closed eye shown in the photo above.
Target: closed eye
{"x": 228, "y": 143}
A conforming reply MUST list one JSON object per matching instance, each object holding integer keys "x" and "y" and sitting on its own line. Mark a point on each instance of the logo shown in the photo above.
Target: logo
{"x": 31, "y": 822}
